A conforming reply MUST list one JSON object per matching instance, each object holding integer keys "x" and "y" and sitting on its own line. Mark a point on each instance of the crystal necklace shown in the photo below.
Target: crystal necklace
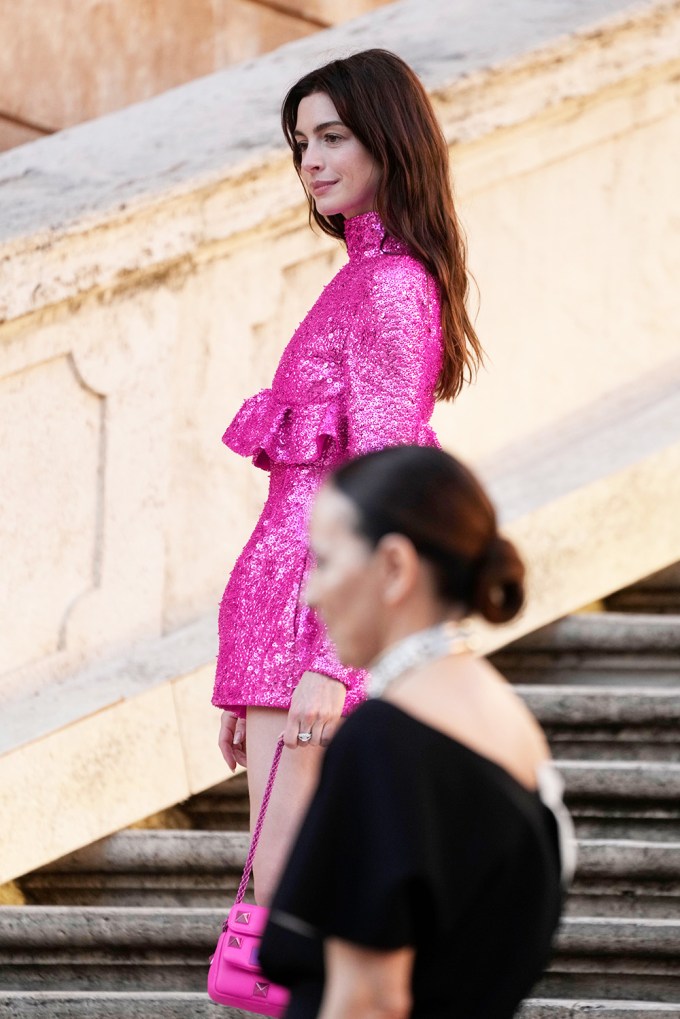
{"x": 419, "y": 648}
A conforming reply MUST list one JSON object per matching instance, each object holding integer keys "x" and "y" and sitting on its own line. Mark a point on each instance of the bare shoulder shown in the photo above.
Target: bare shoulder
{"x": 468, "y": 700}
{"x": 514, "y": 710}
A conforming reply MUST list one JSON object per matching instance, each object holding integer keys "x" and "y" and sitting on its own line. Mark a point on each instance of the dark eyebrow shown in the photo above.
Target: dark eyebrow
{"x": 321, "y": 127}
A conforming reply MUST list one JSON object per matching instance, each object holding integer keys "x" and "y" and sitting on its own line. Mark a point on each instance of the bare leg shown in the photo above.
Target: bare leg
{"x": 295, "y": 783}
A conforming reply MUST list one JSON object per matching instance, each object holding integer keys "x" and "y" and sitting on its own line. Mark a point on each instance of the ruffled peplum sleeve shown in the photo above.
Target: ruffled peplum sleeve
{"x": 272, "y": 431}
{"x": 392, "y": 362}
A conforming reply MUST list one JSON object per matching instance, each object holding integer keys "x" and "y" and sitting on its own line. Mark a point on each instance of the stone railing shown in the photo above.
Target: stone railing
{"x": 153, "y": 264}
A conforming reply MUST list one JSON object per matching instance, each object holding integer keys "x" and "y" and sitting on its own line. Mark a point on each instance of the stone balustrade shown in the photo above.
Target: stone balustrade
{"x": 152, "y": 265}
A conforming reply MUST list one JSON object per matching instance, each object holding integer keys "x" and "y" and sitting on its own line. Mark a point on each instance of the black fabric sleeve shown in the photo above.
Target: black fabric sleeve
{"x": 354, "y": 872}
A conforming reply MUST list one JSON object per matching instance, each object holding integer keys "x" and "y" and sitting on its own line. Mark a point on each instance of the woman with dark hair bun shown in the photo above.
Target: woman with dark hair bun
{"x": 388, "y": 336}
{"x": 427, "y": 878}
{"x": 449, "y": 519}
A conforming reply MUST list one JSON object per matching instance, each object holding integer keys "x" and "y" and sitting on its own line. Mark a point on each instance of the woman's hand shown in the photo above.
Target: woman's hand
{"x": 316, "y": 707}
{"x": 232, "y": 739}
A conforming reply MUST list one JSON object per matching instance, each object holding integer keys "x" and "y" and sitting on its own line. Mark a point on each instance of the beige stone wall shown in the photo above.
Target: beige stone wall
{"x": 66, "y": 61}
{"x": 151, "y": 272}
{"x": 569, "y": 240}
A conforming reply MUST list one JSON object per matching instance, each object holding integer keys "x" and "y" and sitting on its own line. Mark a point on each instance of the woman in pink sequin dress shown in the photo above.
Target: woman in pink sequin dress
{"x": 388, "y": 335}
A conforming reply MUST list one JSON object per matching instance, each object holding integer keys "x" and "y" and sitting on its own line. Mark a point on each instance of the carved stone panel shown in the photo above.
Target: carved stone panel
{"x": 50, "y": 505}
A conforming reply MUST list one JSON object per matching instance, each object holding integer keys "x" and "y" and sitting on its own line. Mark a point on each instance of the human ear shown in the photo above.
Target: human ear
{"x": 399, "y": 566}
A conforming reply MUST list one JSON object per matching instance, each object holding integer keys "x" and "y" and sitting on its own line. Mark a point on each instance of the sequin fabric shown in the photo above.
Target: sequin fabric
{"x": 358, "y": 374}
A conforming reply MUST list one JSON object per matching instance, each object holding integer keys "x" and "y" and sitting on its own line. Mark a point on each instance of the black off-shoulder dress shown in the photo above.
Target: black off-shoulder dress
{"x": 415, "y": 839}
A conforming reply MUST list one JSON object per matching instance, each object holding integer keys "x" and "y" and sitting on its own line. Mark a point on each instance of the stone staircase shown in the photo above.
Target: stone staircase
{"x": 125, "y": 927}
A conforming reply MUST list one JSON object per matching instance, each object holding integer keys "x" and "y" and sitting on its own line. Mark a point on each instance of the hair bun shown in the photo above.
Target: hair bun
{"x": 498, "y": 583}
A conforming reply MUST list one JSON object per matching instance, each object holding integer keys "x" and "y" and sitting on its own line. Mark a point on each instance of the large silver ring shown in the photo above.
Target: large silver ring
{"x": 304, "y": 737}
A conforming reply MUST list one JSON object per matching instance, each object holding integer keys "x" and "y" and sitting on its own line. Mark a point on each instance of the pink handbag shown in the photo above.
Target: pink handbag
{"x": 235, "y": 977}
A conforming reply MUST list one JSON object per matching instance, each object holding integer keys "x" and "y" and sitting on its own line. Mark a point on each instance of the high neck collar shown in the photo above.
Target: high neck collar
{"x": 365, "y": 236}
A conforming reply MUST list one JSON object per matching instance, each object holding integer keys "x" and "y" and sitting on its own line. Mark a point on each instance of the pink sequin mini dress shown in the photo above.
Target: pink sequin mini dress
{"x": 358, "y": 374}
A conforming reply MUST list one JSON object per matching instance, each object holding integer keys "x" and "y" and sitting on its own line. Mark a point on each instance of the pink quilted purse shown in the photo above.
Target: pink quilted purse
{"x": 235, "y": 977}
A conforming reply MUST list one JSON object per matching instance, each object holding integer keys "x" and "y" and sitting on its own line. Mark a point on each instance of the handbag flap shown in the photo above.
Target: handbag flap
{"x": 247, "y": 919}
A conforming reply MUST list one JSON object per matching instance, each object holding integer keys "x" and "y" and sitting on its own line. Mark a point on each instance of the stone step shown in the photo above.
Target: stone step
{"x": 123, "y": 1005}
{"x": 648, "y": 790}
{"x": 621, "y": 781}
{"x": 202, "y": 869}
{"x": 112, "y": 948}
{"x": 628, "y": 859}
{"x": 643, "y": 671}
{"x": 636, "y": 798}
{"x": 224, "y": 807}
{"x": 196, "y": 1005}
{"x": 565, "y": 1008}
{"x": 218, "y": 809}
{"x": 658, "y": 593}
{"x": 607, "y": 722}
{"x": 655, "y": 602}
{"x": 92, "y": 949}
{"x": 597, "y": 649}
{"x": 602, "y": 705}
{"x": 626, "y": 879}
{"x": 144, "y": 868}
{"x": 632, "y": 799}
{"x": 614, "y": 957}
{"x": 595, "y": 721}
{"x": 637, "y": 821}
{"x": 608, "y": 799}
{"x": 603, "y": 633}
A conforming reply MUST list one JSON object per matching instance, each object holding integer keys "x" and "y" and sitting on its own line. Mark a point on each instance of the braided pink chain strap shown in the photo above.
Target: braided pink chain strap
{"x": 260, "y": 821}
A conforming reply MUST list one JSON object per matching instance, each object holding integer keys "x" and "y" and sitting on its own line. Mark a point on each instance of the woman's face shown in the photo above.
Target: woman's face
{"x": 345, "y": 585}
{"x": 337, "y": 171}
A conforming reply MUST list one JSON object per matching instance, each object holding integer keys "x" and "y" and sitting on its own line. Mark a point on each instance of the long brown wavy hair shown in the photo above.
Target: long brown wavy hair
{"x": 381, "y": 100}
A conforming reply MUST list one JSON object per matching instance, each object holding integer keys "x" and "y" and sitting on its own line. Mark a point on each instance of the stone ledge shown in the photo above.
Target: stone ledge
{"x": 595, "y": 441}
{"x": 89, "y": 770}
{"x": 192, "y": 185}
{"x": 28, "y": 715}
